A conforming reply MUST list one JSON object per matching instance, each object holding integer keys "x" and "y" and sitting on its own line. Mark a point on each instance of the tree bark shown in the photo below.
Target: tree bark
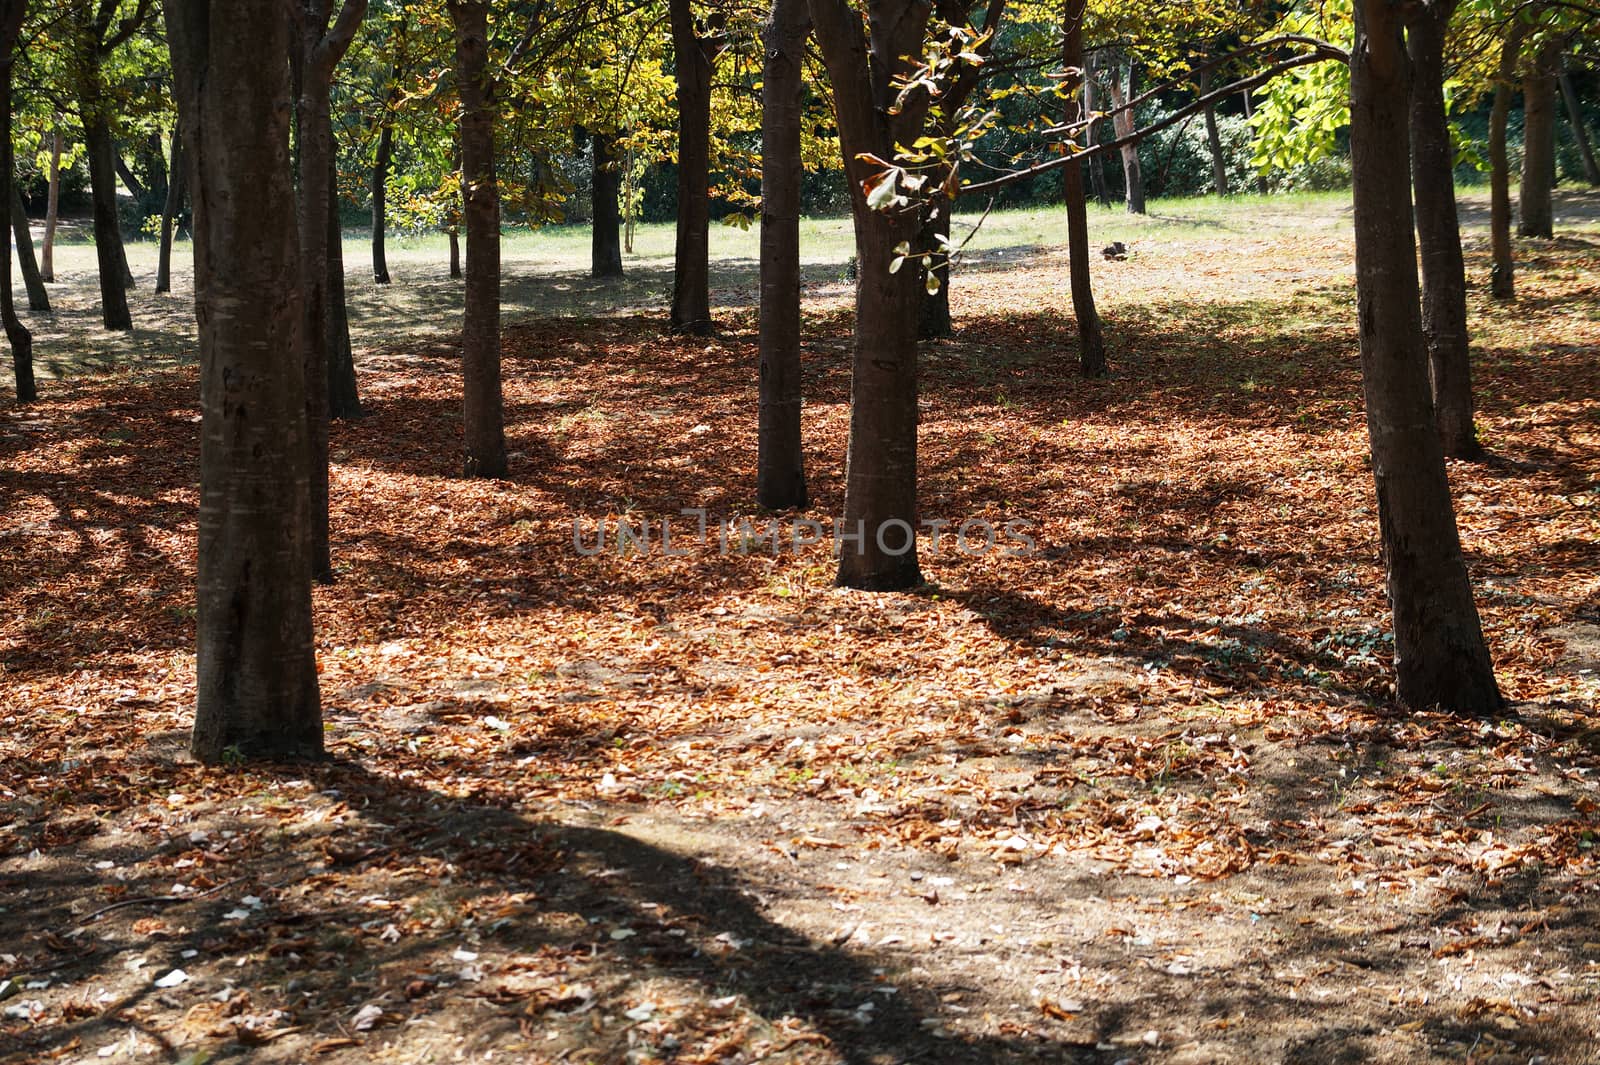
{"x": 380, "y": 192}
{"x": 780, "y": 463}
{"x": 1219, "y": 162}
{"x": 691, "y": 272}
{"x": 1091, "y": 339}
{"x": 38, "y": 298}
{"x": 455, "y": 251}
{"x": 1539, "y": 143}
{"x": 344, "y": 395}
{"x": 877, "y": 539}
{"x": 483, "y": 414}
{"x": 606, "y": 253}
{"x": 1440, "y": 657}
{"x": 257, "y": 693}
{"x": 107, "y": 230}
{"x": 17, "y": 335}
{"x": 1122, "y": 122}
{"x": 1580, "y": 128}
{"x": 1502, "y": 276}
{"x": 1444, "y": 275}
{"x": 170, "y": 214}
{"x": 52, "y": 211}
{"x": 935, "y": 321}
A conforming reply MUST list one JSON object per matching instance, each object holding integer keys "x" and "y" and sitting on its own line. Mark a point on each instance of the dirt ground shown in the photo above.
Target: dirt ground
{"x": 1141, "y": 797}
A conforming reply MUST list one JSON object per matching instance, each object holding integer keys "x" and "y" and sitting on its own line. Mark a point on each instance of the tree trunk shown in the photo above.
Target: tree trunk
{"x": 52, "y": 211}
{"x": 344, "y": 395}
{"x": 38, "y": 298}
{"x": 1091, "y": 340}
{"x": 1097, "y": 162}
{"x": 877, "y": 539}
{"x": 606, "y": 257}
{"x": 691, "y": 272}
{"x": 107, "y": 231}
{"x": 1219, "y": 162}
{"x": 380, "y": 187}
{"x": 1502, "y": 276}
{"x": 935, "y": 321}
{"x": 1539, "y": 143}
{"x": 1444, "y": 276}
{"x": 170, "y": 214}
{"x": 1122, "y": 122}
{"x": 1440, "y": 657}
{"x": 483, "y": 415}
{"x": 455, "y": 250}
{"x": 780, "y": 463}
{"x": 257, "y": 677}
{"x": 1580, "y": 128}
{"x": 17, "y": 335}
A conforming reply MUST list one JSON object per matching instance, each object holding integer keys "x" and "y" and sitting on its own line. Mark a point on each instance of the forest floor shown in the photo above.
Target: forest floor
{"x": 1140, "y": 797}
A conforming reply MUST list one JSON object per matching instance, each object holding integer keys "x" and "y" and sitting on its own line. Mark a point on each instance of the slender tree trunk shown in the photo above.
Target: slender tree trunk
{"x": 107, "y": 231}
{"x": 1219, "y": 162}
{"x": 877, "y": 538}
{"x": 1580, "y": 128}
{"x": 38, "y": 298}
{"x": 52, "y": 211}
{"x": 780, "y": 464}
{"x": 1091, "y": 339}
{"x": 455, "y": 250}
{"x": 1502, "y": 276}
{"x": 257, "y": 678}
{"x": 17, "y": 335}
{"x": 380, "y": 191}
{"x": 1444, "y": 275}
{"x": 483, "y": 417}
{"x": 629, "y": 193}
{"x": 691, "y": 273}
{"x": 1097, "y": 162}
{"x": 1539, "y": 143}
{"x": 344, "y": 395}
{"x": 1440, "y": 655}
{"x": 170, "y": 214}
{"x": 1122, "y": 122}
{"x": 606, "y": 257}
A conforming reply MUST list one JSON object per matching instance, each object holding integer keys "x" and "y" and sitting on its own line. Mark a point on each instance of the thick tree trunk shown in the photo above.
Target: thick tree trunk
{"x": 380, "y": 193}
{"x": 1444, "y": 275}
{"x": 170, "y": 214}
{"x": 344, "y": 395}
{"x": 877, "y": 538}
{"x": 17, "y": 335}
{"x": 1219, "y": 162}
{"x": 691, "y": 272}
{"x": 606, "y": 252}
{"x": 780, "y": 464}
{"x": 1091, "y": 340}
{"x": 52, "y": 211}
{"x": 1440, "y": 655}
{"x": 483, "y": 414}
{"x": 1580, "y": 129}
{"x": 1539, "y": 143}
{"x": 38, "y": 298}
{"x": 257, "y": 678}
{"x": 107, "y": 231}
{"x": 1502, "y": 276}
{"x": 1122, "y": 122}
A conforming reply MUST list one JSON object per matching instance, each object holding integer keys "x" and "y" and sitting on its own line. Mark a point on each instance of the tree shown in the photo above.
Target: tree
{"x": 606, "y": 252}
{"x": 1580, "y": 129}
{"x": 694, "y": 47}
{"x": 780, "y": 466}
{"x": 1444, "y": 278}
{"x": 52, "y": 215}
{"x": 1536, "y": 218}
{"x": 381, "y": 161}
{"x": 1502, "y": 276}
{"x": 94, "y": 40}
{"x": 317, "y": 49}
{"x": 1122, "y": 124}
{"x": 483, "y": 414}
{"x": 257, "y": 692}
{"x": 878, "y": 541}
{"x": 17, "y": 335}
{"x": 32, "y": 280}
{"x": 1440, "y": 655}
{"x": 170, "y": 211}
{"x": 1091, "y": 339}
